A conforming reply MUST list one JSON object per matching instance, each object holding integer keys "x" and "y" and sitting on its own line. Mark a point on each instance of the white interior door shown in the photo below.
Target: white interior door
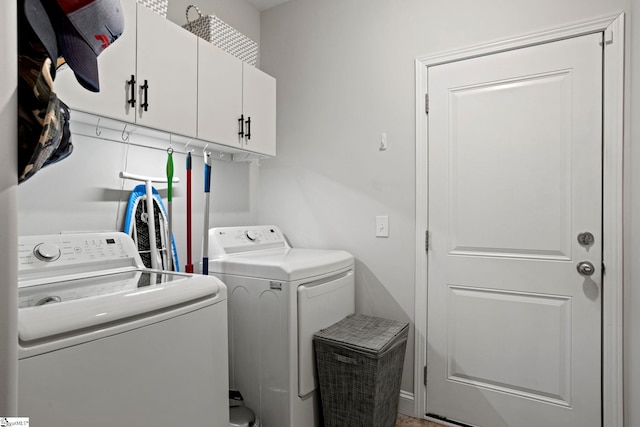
{"x": 515, "y": 170}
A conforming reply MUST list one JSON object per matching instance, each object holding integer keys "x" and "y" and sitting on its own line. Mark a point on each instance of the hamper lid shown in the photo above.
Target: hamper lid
{"x": 364, "y": 333}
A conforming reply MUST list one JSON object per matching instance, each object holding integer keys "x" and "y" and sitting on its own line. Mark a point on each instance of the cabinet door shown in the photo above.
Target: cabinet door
{"x": 116, "y": 65}
{"x": 167, "y": 58}
{"x": 259, "y": 105}
{"x": 219, "y": 95}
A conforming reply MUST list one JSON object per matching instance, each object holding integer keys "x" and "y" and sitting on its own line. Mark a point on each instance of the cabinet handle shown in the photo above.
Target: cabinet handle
{"x": 145, "y": 89}
{"x": 132, "y": 83}
{"x": 248, "y": 122}
{"x": 241, "y": 126}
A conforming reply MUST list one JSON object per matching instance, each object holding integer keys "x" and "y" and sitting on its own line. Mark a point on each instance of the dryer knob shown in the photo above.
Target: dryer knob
{"x": 251, "y": 235}
{"x": 47, "y": 252}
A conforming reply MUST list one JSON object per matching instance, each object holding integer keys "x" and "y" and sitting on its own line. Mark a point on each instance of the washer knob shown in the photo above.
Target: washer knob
{"x": 47, "y": 252}
{"x": 251, "y": 235}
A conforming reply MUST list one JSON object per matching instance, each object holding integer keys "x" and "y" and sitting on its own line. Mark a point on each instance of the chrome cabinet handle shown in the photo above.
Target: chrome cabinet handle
{"x": 585, "y": 268}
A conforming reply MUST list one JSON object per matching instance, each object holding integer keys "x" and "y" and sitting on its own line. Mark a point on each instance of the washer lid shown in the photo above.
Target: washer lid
{"x": 62, "y": 307}
{"x": 286, "y": 265}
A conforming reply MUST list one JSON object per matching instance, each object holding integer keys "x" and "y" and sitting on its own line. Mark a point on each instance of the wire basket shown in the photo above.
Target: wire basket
{"x": 158, "y": 6}
{"x": 216, "y": 31}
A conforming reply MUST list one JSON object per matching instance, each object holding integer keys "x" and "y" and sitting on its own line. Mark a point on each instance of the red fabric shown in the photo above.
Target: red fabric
{"x": 70, "y": 6}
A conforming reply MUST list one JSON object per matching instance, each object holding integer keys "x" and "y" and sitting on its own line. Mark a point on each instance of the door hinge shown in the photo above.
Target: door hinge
{"x": 426, "y": 241}
{"x": 426, "y": 103}
{"x": 424, "y": 375}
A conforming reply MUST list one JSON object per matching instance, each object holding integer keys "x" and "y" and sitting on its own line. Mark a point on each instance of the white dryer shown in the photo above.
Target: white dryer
{"x": 106, "y": 342}
{"x": 279, "y": 297}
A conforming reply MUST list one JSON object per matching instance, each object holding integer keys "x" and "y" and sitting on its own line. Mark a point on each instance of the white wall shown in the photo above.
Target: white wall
{"x": 345, "y": 72}
{"x": 84, "y": 191}
{"x": 8, "y": 217}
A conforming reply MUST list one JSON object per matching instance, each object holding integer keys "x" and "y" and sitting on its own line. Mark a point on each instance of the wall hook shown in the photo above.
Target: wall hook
{"x": 125, "y": 138}
{"x": 98, "y": 131}
{"x": 187, "y": 144}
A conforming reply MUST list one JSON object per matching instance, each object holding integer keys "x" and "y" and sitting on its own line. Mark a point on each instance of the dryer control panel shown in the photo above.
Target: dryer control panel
{"x": 230, "y": 240}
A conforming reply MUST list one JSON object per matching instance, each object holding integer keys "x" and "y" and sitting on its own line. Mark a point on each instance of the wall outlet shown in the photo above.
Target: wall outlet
{"x": 382, "y": 226}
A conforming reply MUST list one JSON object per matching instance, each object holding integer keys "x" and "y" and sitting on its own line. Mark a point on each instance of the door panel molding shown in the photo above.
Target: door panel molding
{"x": 613, "y": 138}
{"x": 497, "y": 307}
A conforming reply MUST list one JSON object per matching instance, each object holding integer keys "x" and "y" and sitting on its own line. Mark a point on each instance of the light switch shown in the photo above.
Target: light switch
{"x": 382, "y": 226}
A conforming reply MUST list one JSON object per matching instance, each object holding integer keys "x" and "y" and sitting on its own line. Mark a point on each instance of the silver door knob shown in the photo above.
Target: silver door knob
{"x": 585, "y": 268}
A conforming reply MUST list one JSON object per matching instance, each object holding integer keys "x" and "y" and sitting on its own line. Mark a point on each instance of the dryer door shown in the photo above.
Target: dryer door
{"x": 321, "y": 303}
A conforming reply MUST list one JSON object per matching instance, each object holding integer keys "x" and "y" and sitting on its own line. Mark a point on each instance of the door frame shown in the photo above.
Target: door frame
{"x": 612, "y": 215}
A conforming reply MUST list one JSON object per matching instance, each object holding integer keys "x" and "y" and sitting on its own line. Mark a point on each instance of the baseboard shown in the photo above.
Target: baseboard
{"x": 407, "y": 404}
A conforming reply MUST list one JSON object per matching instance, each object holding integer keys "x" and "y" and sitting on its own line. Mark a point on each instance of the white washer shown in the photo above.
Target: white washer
{"x": 105, "y": 342}
{"x": 278, "y": 298}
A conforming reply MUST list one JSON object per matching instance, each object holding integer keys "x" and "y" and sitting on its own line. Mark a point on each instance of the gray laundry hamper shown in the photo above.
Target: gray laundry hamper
{"x": 359, "y": 361}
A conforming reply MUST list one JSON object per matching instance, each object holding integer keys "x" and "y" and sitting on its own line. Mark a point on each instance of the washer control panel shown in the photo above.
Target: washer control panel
{"x": 229, "y": 240}
{"x": 70, "y": 251}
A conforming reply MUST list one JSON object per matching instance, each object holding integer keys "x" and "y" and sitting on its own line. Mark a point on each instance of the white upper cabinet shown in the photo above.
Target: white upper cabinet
{"x": 163, "y": 55}
{"x": 236, "y": 102}
{"x": 159, "y": 75}
{"x": 116, "y": 65}
{"x": 167, "y": 75}
{"x": 220, "y": 95}
{"x": 259, "y": 110}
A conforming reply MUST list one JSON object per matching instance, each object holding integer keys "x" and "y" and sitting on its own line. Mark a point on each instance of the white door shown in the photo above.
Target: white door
{"x": 514, "y": 178}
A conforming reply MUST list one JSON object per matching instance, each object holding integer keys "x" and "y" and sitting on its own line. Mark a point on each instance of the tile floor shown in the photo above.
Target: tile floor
{"x": 405, "y": 421}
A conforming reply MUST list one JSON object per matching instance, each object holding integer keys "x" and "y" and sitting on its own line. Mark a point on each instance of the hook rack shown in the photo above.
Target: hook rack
{"x": 107, "y": 129}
